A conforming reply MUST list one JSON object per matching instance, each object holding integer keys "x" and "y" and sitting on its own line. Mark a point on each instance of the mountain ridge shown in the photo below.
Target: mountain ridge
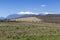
{"x": 28, "y": 15}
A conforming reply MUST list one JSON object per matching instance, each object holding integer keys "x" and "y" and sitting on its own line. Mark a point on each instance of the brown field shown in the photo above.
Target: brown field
{"x": 28, "y": 19}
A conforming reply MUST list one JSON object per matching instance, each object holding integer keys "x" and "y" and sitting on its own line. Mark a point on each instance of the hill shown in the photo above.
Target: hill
{"x": 27, "y": 19}
{"x": 50, "y": 19}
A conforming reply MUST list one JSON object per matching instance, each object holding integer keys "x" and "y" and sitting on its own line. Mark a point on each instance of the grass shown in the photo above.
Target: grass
{"x": 34, "y": 38}
{"x": 29, "y": 31}
{"x": 50, "y": 19}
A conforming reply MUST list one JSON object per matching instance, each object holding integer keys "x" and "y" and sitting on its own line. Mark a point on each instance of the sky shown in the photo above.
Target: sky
{"x": 8, "y": 7}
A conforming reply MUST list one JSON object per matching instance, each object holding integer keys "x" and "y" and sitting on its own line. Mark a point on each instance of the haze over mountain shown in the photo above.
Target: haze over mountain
{"x": 1, "y": 18}
{"x": 26, "y": 14}
{"x": 29, "y": 14}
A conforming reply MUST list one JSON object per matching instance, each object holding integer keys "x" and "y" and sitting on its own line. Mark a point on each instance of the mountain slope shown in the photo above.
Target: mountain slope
{"x": 27, "y": 14}
{"x": 19, "y": 15}
{"x": 27, "y": 19}
{"x": 50, "y": 18}
{"x": 13, "y": 16}
{"x": 1, "y": 18}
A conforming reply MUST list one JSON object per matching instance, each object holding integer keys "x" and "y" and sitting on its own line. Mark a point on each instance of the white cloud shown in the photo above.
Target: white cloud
{"x": 36, "y": 13}
{"x": 27, "y": 13}
{"x": 43, "y": 5}
{"x": 46, "y": 13}
{"x": 49, "y": 13}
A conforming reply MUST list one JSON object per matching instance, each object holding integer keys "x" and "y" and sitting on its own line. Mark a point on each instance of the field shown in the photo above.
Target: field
{"x": 50, "y": 19}
{"x": 47, "y": 19}
{"x": 29, "y": 31}
{"x": 27, "y": 19}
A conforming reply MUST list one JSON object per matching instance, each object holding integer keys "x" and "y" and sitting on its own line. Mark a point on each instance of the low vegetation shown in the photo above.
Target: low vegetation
{"x": 50, "y": 19}
{"x": 29, "y": 31}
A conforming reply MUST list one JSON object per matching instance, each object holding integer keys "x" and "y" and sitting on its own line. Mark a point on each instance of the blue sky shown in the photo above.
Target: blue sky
{"x": 8, "y": 7}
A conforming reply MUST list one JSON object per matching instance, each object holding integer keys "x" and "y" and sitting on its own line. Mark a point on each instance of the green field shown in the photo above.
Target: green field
{"x": 29, "y": 31}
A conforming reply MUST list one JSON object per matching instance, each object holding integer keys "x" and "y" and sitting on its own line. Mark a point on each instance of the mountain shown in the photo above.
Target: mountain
{"x": 30, "y": 15}
{"x": 50, "y": 18}
{"x": 14, "y": 16}
{"x": 20, "y": 15}
{"x": 1, "y": 18}
{"x": 53, "y": 15}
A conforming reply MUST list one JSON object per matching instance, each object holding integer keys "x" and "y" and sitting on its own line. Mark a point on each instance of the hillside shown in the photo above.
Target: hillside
{"x": 38, "y": 19}
{"x": 50, "y": 19}
{"x": 27, "y": 19}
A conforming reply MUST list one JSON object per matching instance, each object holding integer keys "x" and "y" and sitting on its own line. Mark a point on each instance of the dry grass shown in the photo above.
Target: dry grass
{"x": 28, "y": 19}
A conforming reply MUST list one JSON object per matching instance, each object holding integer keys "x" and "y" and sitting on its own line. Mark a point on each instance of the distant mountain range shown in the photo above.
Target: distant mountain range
{"x": 53, "y": 15}
{"x": 27, "y": 15}
{"x": 1, "y": 18}
{"x": 21, "y": 15}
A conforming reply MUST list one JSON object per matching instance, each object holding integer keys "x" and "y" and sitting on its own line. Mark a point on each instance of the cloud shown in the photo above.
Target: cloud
{"x": 46, "y": 13}
{"x": 43, "y": 5}
{"x": 49, "y": 13}
{"x": 27, "y": 13}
